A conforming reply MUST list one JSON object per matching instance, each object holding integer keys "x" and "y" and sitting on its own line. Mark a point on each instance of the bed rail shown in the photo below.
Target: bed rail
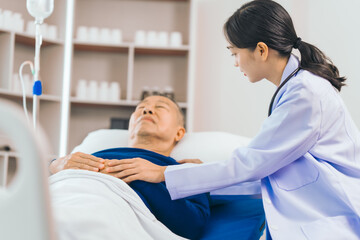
{"x": 25, "y": 211}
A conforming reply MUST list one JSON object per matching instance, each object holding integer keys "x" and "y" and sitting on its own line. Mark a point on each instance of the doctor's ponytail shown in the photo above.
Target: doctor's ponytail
{"x": 267, "y": 21}
{"x": 315, "y": 61}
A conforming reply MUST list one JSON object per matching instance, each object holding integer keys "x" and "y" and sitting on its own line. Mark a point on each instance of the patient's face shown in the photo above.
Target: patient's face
{"x": 156, "y": 116}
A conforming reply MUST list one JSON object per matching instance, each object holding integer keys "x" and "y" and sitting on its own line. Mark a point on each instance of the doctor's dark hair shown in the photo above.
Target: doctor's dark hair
{"x": 267, "y": 21}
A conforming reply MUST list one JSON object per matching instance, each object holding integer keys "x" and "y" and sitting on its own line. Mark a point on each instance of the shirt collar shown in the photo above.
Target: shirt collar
{"x": 292, "y": 64}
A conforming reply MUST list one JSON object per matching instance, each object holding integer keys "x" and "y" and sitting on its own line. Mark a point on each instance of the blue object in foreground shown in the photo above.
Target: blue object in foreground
{"x": 224, "y": 217}
{"x": 186, "y": 217}
{"x": 235, "y": 217}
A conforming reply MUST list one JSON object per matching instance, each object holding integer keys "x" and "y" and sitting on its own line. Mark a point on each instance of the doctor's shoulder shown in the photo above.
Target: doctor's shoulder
{"x": 319, "y": 96}
{"x": 312, "y": 86}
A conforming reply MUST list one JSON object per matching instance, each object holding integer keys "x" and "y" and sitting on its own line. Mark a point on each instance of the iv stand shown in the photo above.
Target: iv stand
{"x": 37, "y": 91}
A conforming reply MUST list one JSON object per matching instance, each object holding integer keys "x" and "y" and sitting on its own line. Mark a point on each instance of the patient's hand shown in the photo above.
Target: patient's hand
{"x": 105, "y": 169}
{"x": 108, "y": 170}
{"x": 135, "y": 169}
{"x": 77, "y": 160}
{"x": 190, "y": 161}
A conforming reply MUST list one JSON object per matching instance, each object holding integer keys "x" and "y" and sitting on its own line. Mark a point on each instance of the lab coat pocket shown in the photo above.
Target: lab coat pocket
{"x": 333, "y": 228}
{"x": 296, "y": 175}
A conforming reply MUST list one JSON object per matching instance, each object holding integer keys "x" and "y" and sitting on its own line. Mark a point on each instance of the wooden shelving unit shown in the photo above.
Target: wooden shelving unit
{"x": 29, "y": 40}
{"x": 15, "y": 48}
{"x": 131, "y": 65}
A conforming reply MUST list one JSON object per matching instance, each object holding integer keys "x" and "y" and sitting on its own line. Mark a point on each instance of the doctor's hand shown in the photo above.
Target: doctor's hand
{"x": 77, "y": 160}
{"x": 198, "y": 161}
{"x": 135, "y": 169}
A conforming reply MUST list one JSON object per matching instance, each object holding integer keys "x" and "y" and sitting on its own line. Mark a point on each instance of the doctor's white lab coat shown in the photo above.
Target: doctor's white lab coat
{"x": 307, "y": 155}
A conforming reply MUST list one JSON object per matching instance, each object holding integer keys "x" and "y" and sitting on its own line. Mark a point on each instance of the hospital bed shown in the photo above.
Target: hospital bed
{"x": 26, "y": 202}
{"x": 25, "y": 211}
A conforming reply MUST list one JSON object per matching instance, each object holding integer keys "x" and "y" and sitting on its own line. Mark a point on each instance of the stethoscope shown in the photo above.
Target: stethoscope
{"x": 281, "y": 85}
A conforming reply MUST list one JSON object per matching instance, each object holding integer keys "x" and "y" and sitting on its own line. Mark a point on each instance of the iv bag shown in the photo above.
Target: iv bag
{"x": 40, "y": 9}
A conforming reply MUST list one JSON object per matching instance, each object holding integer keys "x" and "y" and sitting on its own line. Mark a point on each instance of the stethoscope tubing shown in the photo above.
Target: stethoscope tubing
{"x": 278, "y": 89}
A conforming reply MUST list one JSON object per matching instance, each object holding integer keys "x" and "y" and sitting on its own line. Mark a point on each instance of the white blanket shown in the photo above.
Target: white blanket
{"x": 89, "y": 205}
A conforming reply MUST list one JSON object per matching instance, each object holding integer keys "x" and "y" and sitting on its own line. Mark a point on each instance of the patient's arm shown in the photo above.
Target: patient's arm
{"x": 77, "y": 160}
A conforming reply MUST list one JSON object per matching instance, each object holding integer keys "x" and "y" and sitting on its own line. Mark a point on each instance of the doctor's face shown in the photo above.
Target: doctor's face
{"x": 246, "y": 61}
{"x": 156, "y": 116}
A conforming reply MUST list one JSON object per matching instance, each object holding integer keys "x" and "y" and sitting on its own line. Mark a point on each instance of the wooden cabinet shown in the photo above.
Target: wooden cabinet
{"x": 130, "y": 65}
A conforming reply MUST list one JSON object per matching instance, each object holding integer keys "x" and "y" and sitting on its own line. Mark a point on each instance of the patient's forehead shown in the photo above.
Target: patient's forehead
{"x": 158, "y": 99}
{"x": 161, "y": 99}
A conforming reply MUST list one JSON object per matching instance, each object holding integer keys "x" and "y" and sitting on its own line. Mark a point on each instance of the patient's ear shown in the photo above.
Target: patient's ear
{"x": 180, "y": 134}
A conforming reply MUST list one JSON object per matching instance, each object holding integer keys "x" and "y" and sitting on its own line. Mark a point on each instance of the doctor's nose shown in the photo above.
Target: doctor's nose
{"x": 236, "y": 64}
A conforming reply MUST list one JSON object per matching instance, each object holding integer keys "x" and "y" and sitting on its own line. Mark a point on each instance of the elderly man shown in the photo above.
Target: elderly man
{"x": 156, "y": 126}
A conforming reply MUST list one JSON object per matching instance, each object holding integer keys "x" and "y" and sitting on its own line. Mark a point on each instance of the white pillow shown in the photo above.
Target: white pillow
{"x": 103, "y": 139}
{"x": 207, "y": 146}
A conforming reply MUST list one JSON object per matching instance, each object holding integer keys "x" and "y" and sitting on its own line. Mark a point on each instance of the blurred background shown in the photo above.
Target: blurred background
{"x": 99, "y": 58}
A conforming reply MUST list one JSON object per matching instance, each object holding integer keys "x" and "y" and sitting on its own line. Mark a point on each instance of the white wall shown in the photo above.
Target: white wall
{"x": 336, "y": 31}
{"x": 224, "y": 100}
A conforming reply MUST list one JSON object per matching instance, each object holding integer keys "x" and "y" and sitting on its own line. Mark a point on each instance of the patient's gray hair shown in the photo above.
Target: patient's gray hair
{"x": 181, "y": 114}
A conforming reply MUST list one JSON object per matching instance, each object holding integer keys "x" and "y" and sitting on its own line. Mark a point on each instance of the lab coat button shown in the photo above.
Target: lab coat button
{"x": 267, "y": 200}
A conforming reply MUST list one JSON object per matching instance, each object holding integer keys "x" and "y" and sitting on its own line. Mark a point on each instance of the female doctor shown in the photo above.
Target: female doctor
{"x": 307, "y": 153}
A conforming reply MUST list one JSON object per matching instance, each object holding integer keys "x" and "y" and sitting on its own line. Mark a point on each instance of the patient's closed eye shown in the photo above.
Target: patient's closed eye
{"x": 161, "y": 106}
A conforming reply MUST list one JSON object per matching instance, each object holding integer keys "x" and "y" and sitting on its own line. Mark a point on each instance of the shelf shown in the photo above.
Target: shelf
{"x": 100, "y": 47}
{"x": 124, "y": 47}
{"x": 178, "y": 51}
{"x": 29, "y": 40}
{"x": 46, "y": 97}
{"x": 123, "y": 103}
{"x": 15, "y": 95}
{"x": 91, "y": 103}
{"x": 4, "y": 31}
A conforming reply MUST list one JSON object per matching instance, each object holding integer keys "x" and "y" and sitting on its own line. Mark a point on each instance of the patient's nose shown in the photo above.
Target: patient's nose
{"x": 147, "y": 111}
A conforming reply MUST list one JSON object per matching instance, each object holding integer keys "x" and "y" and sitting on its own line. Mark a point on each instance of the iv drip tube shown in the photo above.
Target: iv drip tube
{"x": 35, "y": 72}
{"x": 23, "y": 85}
{"x": 39, "y": 9}
{"x": 38, "y": 43}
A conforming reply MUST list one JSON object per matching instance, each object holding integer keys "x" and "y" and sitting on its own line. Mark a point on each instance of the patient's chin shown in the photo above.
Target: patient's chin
{"x": 143, "y": 132}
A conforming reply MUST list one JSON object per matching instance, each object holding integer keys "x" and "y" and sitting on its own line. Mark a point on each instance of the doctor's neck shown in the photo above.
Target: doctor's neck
{"x": 275, "y": 67}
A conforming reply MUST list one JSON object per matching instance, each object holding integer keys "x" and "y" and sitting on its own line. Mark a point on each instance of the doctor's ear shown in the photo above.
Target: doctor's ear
{"x": 262, "y": 49}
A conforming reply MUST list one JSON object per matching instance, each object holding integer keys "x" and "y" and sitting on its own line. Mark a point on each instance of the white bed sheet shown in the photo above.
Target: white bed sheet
{"x": 93, "y": 206}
